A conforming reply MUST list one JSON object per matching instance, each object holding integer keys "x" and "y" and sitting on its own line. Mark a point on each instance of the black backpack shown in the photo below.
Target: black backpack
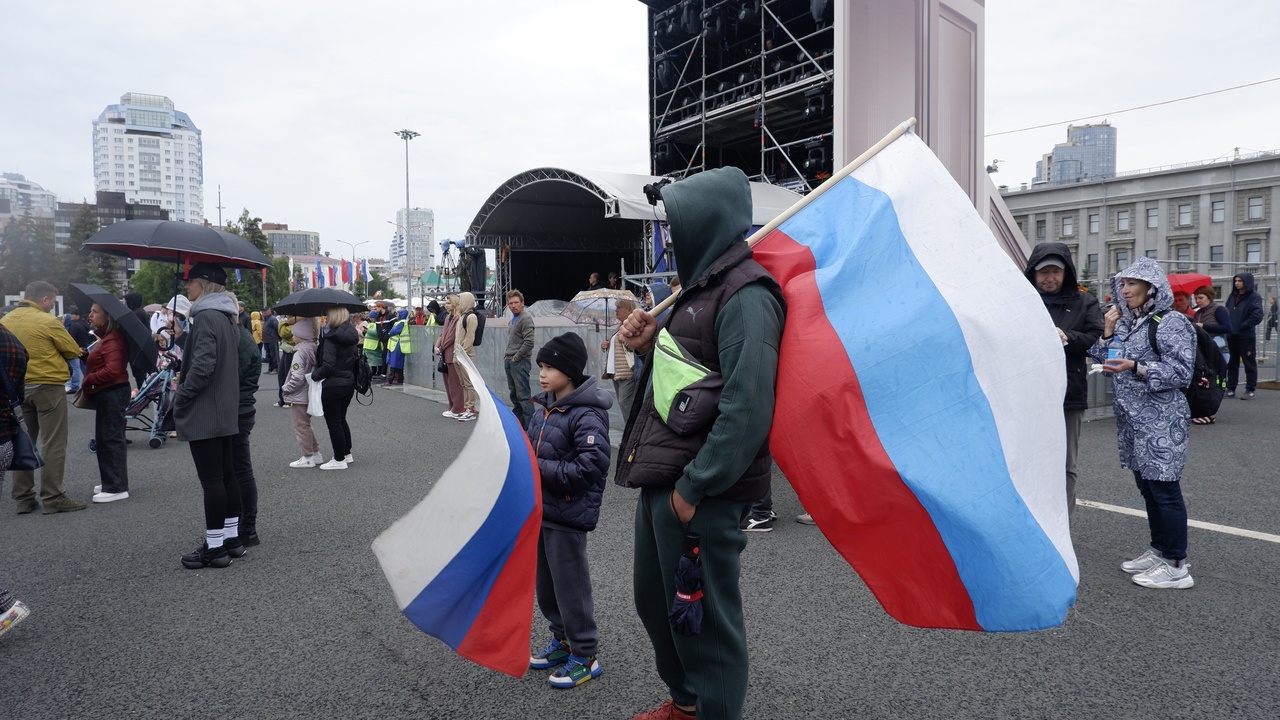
{"x": 363, "y": 374}
{"x": 479, "y": 326}
{"x": 1208, "y": 378}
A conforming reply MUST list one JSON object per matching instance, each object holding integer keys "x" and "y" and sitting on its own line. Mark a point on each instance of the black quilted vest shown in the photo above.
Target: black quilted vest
{"x": 651, "y": 455}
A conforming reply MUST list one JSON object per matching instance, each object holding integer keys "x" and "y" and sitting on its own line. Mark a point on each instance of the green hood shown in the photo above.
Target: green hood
{"x": 707, "y": 213}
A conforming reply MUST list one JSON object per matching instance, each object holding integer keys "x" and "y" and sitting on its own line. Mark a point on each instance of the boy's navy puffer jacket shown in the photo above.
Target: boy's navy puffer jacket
{"x": 570, "y": 438}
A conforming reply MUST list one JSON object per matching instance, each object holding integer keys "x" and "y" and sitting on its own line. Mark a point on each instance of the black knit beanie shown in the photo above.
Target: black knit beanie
{"x": 568, "y": 354}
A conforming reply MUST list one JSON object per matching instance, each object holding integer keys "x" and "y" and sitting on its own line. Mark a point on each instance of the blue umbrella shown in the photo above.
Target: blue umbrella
{"x": 686, "y": 606}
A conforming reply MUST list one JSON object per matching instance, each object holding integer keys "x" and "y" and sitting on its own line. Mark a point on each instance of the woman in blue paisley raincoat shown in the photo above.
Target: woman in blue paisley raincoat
{"x": 1152, "y": 416}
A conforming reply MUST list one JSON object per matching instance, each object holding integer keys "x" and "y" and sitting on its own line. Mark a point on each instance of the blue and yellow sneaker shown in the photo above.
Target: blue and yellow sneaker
{"x": 575, "y": 671}
{"x": 555, "y": 653}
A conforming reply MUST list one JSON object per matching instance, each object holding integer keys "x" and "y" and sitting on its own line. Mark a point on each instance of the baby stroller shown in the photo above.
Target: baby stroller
{"x": 159, "y": 390}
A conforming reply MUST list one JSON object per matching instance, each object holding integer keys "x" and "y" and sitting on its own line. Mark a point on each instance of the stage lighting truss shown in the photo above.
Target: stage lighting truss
{"x": 741, "y": 82}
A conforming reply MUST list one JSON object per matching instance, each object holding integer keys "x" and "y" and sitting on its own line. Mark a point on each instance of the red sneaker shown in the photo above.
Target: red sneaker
{"x": 666, "y": 711}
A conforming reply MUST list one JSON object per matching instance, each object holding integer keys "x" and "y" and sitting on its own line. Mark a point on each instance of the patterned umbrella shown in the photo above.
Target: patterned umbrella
{"x": 596, "y": 307}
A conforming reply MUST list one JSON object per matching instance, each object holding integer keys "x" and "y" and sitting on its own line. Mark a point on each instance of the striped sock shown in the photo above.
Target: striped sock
{"x": 231, "y": 527}
{"x": 213, "y": 538}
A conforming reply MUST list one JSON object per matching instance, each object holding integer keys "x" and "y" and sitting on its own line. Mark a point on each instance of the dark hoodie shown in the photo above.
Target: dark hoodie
{"x": 1244, "y": 307}
{"x": 709, "y": 214}
{"x": 1074, "y": 312}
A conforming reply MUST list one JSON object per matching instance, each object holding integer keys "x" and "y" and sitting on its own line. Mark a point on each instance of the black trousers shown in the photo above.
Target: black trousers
{"x": 108, "y": 434}
{"x": 245, "y": 480}
{"x": 282, "y": 372}
{"x": 215, "y": 466}
{"x": 1242, "y": 350}
{"x": 335, "y": 402}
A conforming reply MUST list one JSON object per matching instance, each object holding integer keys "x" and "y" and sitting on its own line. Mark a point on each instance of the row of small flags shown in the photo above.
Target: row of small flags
{"x": 344, "y": 273}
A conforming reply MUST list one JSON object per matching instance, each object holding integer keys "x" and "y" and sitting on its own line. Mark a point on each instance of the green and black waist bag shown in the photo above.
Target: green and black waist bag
{"x": 686, "y": 394}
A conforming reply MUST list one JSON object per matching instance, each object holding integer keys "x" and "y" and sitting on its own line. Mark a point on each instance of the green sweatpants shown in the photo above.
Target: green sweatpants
{"x": 708, "y": 669}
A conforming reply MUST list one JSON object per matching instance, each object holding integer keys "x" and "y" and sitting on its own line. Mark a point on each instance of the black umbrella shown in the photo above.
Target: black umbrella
{"x": 686, "y": 606}
{"x": 142, "y": 346}
{"x": 317, "y": 301}
{"x": 176, "y": 242}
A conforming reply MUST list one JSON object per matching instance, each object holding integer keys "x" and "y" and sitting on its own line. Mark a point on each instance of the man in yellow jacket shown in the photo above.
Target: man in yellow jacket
{"x": 49, "y": 347}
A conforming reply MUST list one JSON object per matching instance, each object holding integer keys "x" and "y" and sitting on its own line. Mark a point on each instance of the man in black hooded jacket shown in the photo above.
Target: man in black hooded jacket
{"x": 1078, "y": 318}
{"x": 1245, "y": 307}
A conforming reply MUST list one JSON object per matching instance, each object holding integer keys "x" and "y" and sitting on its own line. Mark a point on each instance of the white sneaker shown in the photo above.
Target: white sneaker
{"x": 13, "y": 616}
{"x": 303, "y": 462}
{"x": 334, "y": 464}
{"x": 450, "y": 414}
{"x": 1143, "y": 562}
{"x": 105, "y": 497}
{"x": 348, "y": 459}
{"x": 466, "y": 416}
{"x": 1166, "y": 577}
{"x": 97, "y": 489}
{"x": 805, "y": 519}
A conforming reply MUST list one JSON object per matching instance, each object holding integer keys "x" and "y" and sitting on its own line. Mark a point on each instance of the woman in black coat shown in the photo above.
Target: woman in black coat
{"x": 335, "y": 365}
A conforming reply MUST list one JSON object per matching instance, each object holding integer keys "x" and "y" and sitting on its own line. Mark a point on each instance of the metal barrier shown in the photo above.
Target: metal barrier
{"x": 420, "y": 369}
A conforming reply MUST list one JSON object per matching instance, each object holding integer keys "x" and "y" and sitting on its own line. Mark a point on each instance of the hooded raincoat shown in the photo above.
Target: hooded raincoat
{"x": 1151, "y": 412}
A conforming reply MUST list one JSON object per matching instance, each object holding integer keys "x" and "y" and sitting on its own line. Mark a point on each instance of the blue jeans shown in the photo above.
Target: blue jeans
{"x": 1167, "y": 516}
{"x": 518, "y": 384}
{"x": 77, "y": 373}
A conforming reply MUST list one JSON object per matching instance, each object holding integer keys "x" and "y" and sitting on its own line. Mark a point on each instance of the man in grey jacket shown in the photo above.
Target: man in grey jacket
{"x": 516, "y": 357}
{"x": 206, "y": 412}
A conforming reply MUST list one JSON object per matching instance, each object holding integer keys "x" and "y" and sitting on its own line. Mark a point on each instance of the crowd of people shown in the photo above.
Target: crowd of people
{"x": 708, "y": 480}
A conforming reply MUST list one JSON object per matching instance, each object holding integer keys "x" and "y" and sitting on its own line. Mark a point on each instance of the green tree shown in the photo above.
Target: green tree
{"x": 377, "y": 284}
{"x": 249, "y": 287}
{"x": 80, "y": 265}
{"x": 26, "y": 253}
{"x": 157, "y": 282}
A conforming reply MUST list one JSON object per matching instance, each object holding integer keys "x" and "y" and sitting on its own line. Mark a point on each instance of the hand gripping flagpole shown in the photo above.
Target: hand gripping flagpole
{"x": 799, "y": 205}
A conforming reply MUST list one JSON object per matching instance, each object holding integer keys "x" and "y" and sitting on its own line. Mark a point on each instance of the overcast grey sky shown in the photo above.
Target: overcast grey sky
{"x": 298, "y": 101}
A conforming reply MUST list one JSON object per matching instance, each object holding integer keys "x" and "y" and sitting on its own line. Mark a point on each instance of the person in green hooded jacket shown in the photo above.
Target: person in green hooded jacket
{"x": 699, "y": 472}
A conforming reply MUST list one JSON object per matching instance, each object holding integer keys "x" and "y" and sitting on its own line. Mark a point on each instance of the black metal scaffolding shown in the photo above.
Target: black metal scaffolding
{"x": 745, "y": 83}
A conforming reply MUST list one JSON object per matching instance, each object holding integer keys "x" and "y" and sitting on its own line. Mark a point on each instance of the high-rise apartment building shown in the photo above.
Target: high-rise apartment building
{"x": 1088, "y": 154}
{"x": 152, "y": 153}
{"x": 411, "y": 255}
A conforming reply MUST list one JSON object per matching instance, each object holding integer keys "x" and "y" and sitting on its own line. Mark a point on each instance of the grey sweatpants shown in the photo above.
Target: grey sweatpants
{"x": 564, "y": 589}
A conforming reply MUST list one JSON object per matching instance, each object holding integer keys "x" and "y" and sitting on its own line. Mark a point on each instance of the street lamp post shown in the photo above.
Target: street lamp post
{"x": 407, "y": 135}
{"x": 353, "y": 259}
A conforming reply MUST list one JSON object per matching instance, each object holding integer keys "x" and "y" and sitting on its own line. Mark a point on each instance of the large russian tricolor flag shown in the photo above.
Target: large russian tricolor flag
{"x": 919, "y": 412}
{"x": 462, "y": 563}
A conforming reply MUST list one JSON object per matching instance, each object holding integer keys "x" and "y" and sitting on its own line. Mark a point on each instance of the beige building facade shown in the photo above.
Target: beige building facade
{"x": 1213, "y": 218}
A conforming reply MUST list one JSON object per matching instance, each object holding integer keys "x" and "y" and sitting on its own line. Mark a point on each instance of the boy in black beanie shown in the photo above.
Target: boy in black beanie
{"x": 569, "y": 431}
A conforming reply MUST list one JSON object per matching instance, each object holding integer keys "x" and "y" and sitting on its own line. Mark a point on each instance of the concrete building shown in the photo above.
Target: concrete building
{"x": 145, "y": 148}
{"x": 18, "y": 195}
{"x": 1212, "y": 217}
{"x": 412, "y": 255}
{"x": 111, "y": 207}
{"x": 291, "y": 242}
{"x": 1088, "y": 154}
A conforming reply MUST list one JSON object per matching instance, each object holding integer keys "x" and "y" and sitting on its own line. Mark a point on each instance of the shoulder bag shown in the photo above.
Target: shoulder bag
{"x": 25, "y": 454}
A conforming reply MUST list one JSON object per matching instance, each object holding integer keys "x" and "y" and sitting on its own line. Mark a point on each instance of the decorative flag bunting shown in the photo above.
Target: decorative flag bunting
{"x": 462, "y": 563}
{"x": 931, "y": 452}
{"x": 332, "y": 280}
{"x": 346, "y": 275}
{"x": 364, "y": 266}
{"x": 319, "y": 273}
